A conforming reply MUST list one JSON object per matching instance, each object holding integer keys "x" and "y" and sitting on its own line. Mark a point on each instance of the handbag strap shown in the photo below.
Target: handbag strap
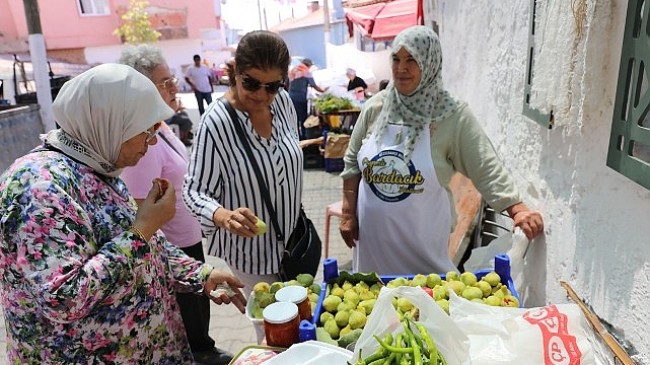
{"x": 161, "y": 135}
{"x": 263, "y": 186}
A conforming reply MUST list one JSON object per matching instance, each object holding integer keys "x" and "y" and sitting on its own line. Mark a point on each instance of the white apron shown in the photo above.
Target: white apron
{"x": 404, "y": 214}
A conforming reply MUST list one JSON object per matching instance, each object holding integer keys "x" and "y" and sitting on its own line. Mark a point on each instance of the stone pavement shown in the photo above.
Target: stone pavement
{"x": 231, "y": 330}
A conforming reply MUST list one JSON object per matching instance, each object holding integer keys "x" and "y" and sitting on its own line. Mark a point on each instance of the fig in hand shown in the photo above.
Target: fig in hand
{"x": 261, "y": 227}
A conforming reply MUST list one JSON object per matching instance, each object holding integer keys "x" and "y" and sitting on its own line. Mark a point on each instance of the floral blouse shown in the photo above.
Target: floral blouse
{"x": 76, "y": 286}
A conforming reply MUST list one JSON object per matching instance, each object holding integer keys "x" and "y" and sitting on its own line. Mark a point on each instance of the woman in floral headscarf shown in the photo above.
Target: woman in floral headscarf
{"x": 84, "y": 277}
{"x": 407, "y": 143}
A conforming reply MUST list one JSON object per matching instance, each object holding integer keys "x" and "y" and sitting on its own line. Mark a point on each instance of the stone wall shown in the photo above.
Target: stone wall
{"x": 20, "y": 128}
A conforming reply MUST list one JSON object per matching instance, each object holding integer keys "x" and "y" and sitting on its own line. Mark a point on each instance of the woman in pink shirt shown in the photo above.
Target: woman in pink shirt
{"x": 168, "y": 159}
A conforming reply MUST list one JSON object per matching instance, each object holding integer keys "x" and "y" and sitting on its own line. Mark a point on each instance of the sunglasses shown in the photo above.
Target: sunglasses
{"x": 152, "y": 135}
{"x": 169, "y": 83}
{"x": 252, "y": 84}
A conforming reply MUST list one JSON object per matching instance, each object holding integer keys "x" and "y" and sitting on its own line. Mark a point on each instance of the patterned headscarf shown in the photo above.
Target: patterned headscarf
{"x": 429, "y": 102}
{"x": 102, "y": 108}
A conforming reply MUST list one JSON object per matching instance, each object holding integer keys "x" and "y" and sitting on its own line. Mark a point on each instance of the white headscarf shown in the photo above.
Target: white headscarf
{"x": 102, "y": 108}
{"x": 429, "y": 102}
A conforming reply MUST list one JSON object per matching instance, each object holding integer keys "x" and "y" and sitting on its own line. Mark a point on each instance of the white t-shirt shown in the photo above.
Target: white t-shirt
{"x": 200, "y": 78}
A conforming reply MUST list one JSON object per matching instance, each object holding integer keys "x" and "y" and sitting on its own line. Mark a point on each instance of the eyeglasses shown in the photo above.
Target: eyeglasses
{"x": 252, "y": 84}
{"x": 169, "y": 83}
{"x": 152, "y": 135}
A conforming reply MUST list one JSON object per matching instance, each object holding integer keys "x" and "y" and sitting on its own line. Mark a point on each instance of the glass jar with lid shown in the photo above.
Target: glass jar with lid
{"x": 281, "y": 324}
{"x": 298, "y": 296}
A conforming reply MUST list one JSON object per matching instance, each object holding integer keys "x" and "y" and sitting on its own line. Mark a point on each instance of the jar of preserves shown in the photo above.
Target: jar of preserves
{"x": 281, "y": 324}
{"x": 298, "y": 296}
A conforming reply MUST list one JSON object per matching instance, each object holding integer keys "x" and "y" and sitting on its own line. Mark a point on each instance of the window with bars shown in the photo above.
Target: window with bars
{"x": 546, "y": 120}
{"x": 93, "y": 7}
{"x": 629, "y": 143}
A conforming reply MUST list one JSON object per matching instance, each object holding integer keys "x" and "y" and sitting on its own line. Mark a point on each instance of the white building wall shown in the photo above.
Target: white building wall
{"x": 597, "y": 221}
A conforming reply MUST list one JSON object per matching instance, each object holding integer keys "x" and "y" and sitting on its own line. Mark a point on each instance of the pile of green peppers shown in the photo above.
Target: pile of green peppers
{"x": 413, "y": 346}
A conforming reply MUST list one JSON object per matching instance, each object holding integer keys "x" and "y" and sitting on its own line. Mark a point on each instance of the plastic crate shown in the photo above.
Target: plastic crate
{"x": 334, "y": 164}
{"x": 331, "y": 272}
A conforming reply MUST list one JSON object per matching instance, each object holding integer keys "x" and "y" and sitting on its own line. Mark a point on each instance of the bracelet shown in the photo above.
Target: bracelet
{"x": 350, "y": 191}
{"x": 135, "y": 230}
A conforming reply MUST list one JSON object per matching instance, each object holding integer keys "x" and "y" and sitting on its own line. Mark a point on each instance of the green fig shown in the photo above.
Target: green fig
{"x": 331, "y": 302}
{"x": 261, "y": 287}
{"x": 452, "y": 276}
{"x": 433, "y": 280}
{"x": 357, "y": 319}
{"x": 456, "y": 286}
{"x": 305, "y": 279}
{"x": 444, "y": 304}
{"x": 331, "y": 328}
{"x": 325, "y": 316}
{"x": 493, "y": 300}
{"x": 351, "y": 296}
{"x": 315, "y": 288}
{"x": 275, "y": 287}
{"x": 468, "y": 278}
{"x": 261, "y": 227}
{"x": 492, "y": 278}
{"x": 485, "y": 288}
{"x": 419, "y": 280}
{"x": 342, "y": 318}
{"x": 472, "y": 292}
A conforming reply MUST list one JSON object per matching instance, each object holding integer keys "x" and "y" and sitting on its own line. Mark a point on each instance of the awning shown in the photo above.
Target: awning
{"x": 384, "y": 20}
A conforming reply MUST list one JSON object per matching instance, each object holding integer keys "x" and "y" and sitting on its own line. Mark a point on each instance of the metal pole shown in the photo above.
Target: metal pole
{"x": 38, "y": 55}
{"x": 259, "y": 13}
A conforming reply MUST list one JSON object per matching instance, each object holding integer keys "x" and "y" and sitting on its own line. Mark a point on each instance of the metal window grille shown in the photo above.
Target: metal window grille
{"x": 629, "y": 144}
{"x": 545, "y": 120}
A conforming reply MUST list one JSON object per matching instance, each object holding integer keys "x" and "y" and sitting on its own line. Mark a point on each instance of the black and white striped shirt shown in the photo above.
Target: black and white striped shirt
{"x": 219, "y": 175}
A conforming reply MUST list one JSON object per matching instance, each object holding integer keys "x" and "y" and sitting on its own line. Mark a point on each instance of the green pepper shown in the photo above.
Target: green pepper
{"x": 431, "y": 344}
{"x": 393, "y": 348}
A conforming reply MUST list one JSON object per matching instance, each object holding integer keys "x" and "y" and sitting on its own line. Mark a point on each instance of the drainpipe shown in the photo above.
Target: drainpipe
{"x": 39, "y": 62}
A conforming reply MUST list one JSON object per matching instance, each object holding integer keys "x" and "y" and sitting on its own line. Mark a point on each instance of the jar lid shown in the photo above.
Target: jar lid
{"x": 280, "y": 312}
{"x": 291, "y": 294}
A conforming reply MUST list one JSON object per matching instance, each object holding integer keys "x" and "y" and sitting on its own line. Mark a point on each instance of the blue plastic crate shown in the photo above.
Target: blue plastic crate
{"x": 331, "y": 272}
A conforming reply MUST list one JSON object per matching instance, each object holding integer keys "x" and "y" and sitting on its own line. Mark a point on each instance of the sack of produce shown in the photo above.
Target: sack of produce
{"x": 554, "y": 334}
{"x": 431, "y": 335}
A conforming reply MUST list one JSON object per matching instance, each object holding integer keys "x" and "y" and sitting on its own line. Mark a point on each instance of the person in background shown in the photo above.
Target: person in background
{"x": 199, "y": 78}
{"x": 409, "y": 140}
{"x": 356, "y": 83}
{"x": 383, "y": 84}
{"x": 221, "y": 187}
{"x": 85, "y": 276}
{"x": 168, "y": 159}
{"x": 183, "y": 121}
{"x": 300, "y": 79}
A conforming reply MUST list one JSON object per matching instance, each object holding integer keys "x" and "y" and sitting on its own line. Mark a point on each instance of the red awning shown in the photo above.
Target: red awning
{"x": 384, "y": 20}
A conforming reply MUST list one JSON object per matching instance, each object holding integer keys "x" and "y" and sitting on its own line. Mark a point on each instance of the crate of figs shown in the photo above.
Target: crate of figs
{"x": 347, "y": 299}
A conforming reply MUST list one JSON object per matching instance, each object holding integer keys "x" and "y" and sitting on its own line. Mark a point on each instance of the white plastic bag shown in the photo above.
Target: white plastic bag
{"x": 515, "y": 245}
{"x": 451, "y": 341}
{"x": 550, "y": 335}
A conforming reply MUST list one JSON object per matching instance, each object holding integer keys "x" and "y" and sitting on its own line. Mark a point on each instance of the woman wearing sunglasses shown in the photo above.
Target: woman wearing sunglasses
{"x": 221, "y": 187}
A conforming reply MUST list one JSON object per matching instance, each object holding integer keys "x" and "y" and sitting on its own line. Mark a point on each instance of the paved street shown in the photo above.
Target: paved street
{"x": 228, "y": 327}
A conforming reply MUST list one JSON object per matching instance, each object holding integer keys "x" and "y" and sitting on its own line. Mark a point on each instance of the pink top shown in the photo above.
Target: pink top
{"x": 162, "y": 161}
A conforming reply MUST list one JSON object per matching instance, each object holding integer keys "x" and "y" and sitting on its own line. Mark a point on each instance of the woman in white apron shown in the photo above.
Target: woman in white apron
{"x": 408, "y": 142}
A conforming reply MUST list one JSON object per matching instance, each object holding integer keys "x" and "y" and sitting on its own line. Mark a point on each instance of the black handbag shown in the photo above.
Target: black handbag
{"x": 302, "y": 251}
